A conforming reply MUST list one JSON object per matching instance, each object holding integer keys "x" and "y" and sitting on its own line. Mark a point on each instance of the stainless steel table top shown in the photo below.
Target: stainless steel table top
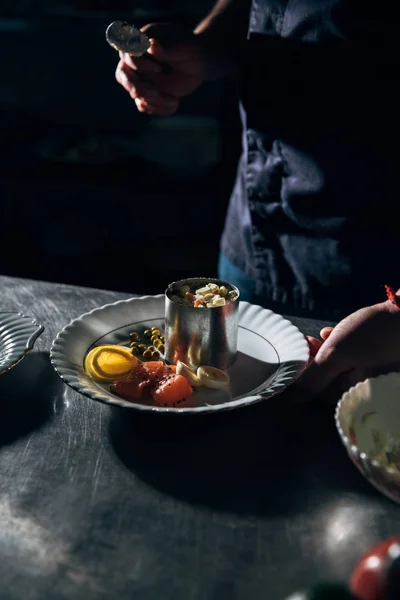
{"x": 94, "y": 504}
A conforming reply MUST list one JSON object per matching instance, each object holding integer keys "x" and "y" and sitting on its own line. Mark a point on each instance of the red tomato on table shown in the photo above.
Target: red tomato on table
{"x": 370, "y": 576}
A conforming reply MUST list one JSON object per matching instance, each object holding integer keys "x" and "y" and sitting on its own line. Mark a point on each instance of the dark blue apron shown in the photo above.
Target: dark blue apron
{"x": 311, "y": 220}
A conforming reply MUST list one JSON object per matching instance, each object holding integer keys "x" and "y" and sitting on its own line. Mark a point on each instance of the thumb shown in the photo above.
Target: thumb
{"x": 168, "y": 43}
{"x": 325, "y": 332}
{"x": 158, "y": 51}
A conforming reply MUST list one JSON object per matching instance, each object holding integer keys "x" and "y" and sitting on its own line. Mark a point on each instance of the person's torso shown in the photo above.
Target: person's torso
{"x": 311, "y": 217}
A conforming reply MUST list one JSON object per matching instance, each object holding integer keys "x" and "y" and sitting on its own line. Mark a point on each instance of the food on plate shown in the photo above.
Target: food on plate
{"x": 207, "y": 336}
{"x": 156, "y": 381}
{"x": 140, "y": 347}
{"x": 171, "y": 390}
{"x": 138, "y": 372}
{"x": 212, "y": 378}
{"x": 210, "y": 295}
{"x": 109, "y": 363}
{"x": 183, "y": 369}
{"x": 127, "y": 38}
{"x": 204, "y": 376}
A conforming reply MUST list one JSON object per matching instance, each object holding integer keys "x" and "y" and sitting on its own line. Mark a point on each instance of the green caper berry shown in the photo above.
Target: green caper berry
{"x": 147, "y": 354}
{"x": 135, "y": 350}
{"x": 147, "y": 333}
{"x": 156, "y": 331}
{"x": 155, "y": 354}
{"x": 157, "y": 342}
{"x": 162, "y": 338}
{"x": 142, "y": 347}
{"x": 161, "y": 348}
{"x": 184, "y": 290}
{"x": 151, "y": 348}
{"x": 134, "y": 335}
{"x": 133, "y": 344}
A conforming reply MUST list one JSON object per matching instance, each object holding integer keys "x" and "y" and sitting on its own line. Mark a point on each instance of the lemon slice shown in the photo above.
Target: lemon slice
{"x": 90, "y": 369}
{"x": 109, "y": 363}
{"x": 212, "y": 378}
{"x": 183, "y": 369}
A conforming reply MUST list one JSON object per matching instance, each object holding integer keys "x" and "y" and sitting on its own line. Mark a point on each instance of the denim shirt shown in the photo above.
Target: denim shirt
{"x": 312, "y": 215}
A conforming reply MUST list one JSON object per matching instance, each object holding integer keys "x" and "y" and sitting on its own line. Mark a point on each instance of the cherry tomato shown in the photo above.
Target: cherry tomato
{"x": 324, "y": 591}
{"x": 369, "y": 579}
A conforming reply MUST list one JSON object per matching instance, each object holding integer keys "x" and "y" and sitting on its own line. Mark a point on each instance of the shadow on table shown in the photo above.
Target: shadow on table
{"x": 28, "y": 395}
{"x": 264, "y": 459}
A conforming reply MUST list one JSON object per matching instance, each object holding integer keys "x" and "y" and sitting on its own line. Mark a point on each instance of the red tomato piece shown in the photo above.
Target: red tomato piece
{"x": 368, "y": 580}
{"x": 143, "y": 380}
{"x": 132, "y": 389}
{"x": 172, "y": 389}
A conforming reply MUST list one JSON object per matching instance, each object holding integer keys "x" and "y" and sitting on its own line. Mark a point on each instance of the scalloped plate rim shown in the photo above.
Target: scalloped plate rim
{"x": 73, "y": 383}
{"x": 30, "y": 342}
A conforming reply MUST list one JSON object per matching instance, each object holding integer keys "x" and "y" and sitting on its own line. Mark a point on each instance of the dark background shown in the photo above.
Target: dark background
{"x": 92, "y": 192}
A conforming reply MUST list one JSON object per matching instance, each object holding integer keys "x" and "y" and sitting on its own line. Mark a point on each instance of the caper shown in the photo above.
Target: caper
{"x": 147, "y": 353}
{"x": 157, "y": 342}
{"x": 184, "y": 290}
{"x": 147, "y": 333}
{"x": 162, "y": 338}
{"x": 151, "y": 348}
{"x": 154, "y": 338}
{"x": 155, "y": 354}
{"x": 223, "y": 291}
{"x": 156, "y": 331}
{"x": 133, "y": 344}
{"x": 134, "y": 335}
{"x": 142, "y": 347}
{"x": 161, "y": 348}
{"x": 135, "y": 350}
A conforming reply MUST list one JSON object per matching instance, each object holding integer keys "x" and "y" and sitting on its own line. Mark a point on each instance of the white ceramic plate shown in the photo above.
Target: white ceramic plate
{"x": 272, "y": 353}
{"x": 18, "y": 334}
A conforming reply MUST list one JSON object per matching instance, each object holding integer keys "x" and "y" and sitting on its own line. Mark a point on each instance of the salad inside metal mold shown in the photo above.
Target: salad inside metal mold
{"x": 383, "y": 447}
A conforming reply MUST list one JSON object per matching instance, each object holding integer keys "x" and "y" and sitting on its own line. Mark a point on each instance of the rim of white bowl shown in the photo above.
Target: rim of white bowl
{"x": 345, "y": 439}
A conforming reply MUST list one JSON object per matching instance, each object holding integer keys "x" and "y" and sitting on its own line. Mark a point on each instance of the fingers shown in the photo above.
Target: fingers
{"x": 321, "y": 373}
{"x": 157, "y": 51}
{"x": 136, "y": 86}
{"x": 325, "y": 332}
{"x": 146, "y": 96}
{"x": 314, "y": 344}
{"x": 144, "y": 64}
{"x": 158, "y": 110}
{"x": 169, "y": 43}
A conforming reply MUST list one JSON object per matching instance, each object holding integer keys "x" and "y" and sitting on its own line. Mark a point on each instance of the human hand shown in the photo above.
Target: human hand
{"x": 364, "y": 344}
{"x": 176, "y": 64}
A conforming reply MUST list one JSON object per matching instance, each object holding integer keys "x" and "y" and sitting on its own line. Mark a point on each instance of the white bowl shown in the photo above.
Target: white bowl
{"x": 366, "y": 416}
